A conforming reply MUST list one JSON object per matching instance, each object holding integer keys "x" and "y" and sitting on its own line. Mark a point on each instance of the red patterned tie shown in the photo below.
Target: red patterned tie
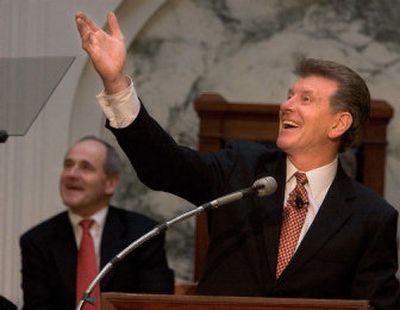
{"x": 294, "y": 215}
{"x": 86, "y": 266}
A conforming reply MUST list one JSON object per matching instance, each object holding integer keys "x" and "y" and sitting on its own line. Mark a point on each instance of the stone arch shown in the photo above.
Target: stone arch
{"x": 86, "y": 116}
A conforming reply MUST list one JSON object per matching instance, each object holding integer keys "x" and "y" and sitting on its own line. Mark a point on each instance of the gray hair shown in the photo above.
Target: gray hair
{"x": 113, "y": 163}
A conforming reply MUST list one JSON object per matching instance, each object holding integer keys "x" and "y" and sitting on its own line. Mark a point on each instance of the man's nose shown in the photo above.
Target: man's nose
{"x": 72, "y": 171}
{"x": 288, "y": 104}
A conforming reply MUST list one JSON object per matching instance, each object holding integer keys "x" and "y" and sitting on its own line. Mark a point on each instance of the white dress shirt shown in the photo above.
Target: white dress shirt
{"x": 96, "y": 230}
{"x": 122, "y": 108}
{"x": 319, "y": 181}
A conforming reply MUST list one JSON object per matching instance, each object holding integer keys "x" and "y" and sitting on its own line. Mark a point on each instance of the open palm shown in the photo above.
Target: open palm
{"x": 106, "y": 50}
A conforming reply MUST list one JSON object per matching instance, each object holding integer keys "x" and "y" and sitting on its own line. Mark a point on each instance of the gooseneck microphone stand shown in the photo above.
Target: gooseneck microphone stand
{"x": 261, "y": 187}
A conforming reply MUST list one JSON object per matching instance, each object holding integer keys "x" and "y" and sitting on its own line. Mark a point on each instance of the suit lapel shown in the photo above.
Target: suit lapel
{"x": 65, "y": 252}
{"x": 333, "y": 213}
{"x": 271, "y": 214}
{"x": 111, "y": 242}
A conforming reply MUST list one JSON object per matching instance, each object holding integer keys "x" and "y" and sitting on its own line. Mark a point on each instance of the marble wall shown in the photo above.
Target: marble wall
{"x": 245, "y": 50}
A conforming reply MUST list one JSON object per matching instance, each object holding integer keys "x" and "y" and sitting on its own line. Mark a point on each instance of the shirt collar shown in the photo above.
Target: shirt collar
{"x": 99, "y": 217}
{"x": 319, "y": 179}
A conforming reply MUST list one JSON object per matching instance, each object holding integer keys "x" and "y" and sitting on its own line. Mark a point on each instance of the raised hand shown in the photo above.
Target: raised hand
{"x": 106, "y": 50}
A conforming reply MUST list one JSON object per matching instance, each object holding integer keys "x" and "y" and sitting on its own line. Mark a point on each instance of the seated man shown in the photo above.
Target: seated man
{"x": 54, "y": 273}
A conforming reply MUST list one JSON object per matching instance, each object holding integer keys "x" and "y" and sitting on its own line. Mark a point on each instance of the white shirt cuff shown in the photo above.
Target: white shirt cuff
{"x": 122, "y": 108}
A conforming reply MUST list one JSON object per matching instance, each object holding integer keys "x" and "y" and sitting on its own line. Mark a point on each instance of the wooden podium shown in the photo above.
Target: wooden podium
{"x": 123, "y": 301}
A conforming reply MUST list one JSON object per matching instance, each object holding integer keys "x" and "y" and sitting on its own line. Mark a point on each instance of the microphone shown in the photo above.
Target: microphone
{"x": 3, "y": 136}
{"x": 265, "y": 186}
{"x": 299, "y": 202}
{"x": 261, "y": 187}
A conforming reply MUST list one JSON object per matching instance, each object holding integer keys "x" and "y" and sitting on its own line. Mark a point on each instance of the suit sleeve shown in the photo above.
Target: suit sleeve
{"x": 375, "y": 277}
{"x": 34, "y": 285}
{"x": 162, "y": 164}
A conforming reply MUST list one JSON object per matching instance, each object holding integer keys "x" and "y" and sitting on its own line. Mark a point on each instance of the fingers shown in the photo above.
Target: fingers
{"x": 83, "y": 21}
{"x": 82, "y": 26}
{"x": 88, "y": 30}
{"x": 113, "y": 25}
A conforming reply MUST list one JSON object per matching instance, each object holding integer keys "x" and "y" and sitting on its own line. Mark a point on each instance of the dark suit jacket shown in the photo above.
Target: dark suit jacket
{"x": 5, "y": 304}
{"x": 349, "y": 252}
{"x": 49, "y": 255}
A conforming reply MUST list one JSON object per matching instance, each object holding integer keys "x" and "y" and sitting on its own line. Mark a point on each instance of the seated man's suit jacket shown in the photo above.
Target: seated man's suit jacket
{"x": 5, "y": 304}
{"x": 349, "y": 252}
{"x": 49, "y": 258}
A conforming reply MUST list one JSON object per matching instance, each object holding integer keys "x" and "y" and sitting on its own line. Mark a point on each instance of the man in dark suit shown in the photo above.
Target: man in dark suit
{"x": 50, "y": 250}
{"x": 321, "y": 235}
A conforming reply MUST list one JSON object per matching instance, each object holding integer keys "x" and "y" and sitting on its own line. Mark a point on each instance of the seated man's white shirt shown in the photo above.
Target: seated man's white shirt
{"x": 96, "y": 230}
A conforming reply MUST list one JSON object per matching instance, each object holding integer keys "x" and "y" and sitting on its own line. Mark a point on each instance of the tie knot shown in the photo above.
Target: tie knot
{"x": 86, "y": 224}
{"x": 301, "y": 178}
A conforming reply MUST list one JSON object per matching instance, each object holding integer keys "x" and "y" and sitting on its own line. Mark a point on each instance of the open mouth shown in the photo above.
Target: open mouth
{"x": 289, "y": 125}
{"x": 73, "y": 187}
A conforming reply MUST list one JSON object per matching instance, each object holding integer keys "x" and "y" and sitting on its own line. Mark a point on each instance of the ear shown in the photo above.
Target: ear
{"x": 111, "y": 184}
{"x": 342, "y": 123}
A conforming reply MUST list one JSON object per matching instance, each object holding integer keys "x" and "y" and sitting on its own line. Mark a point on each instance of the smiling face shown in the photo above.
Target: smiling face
{"x": 84, "y": 186}
{"x": 309, "y": 129}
